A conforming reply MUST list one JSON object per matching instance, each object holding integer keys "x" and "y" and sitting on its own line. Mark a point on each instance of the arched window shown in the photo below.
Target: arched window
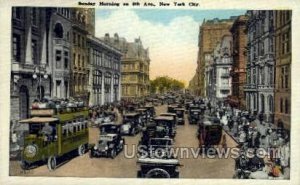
{"x": 58, "y": 30}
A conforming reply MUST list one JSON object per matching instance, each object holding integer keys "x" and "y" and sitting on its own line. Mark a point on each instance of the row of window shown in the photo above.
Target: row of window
{"x": 284, "y": 77}
{"x": 70, "y": 128}
{"x": 284, "y": 106}
{"x": 79, "y": 60}
{"x": 79, "y": 40}
{"x": 80, "y": 82}
{"x": 99, "y": 59}
{"x": 17, "y": 13}
{"x": 264, "y": 78}
{"x": 259, "y": 49}
{"x": 64, "y": 11}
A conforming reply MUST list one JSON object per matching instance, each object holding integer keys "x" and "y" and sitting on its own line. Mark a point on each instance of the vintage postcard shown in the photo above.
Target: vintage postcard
{"x": 183, "y": 92}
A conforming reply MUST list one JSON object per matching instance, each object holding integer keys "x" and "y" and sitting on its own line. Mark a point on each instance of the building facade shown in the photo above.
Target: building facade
{"x": 135, "y": 64}
{"x": 82, "y": 25}
{"x": 30, "y": 71}
{"x": 210, "y": 33}
{"x": 60, "y": 48}
{"x": 219, "y": 80}
{"x": 260, "y": 66}
{"x": 238, "y": 72}
{"x": 105, "y": 72}
{"x": 283, "y": 67}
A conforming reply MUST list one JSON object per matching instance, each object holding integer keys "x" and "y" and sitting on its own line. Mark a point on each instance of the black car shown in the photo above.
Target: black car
{"x": 108, "y": 145}
{"x": 167, "y": 124}
{"x": 109, "y": 128}
{"x": 180, "y": 115}
{"x": 194, "y": 116}
{"x": 150, "y": 110}
{"x": 132, "y": 124}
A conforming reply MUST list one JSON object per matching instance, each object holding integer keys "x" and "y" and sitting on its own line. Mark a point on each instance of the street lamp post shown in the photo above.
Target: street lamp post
{"x": 37, "y": 75}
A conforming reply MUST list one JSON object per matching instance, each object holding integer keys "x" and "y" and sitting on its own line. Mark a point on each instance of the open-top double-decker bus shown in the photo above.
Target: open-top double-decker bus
{"x": 53, "y": 134}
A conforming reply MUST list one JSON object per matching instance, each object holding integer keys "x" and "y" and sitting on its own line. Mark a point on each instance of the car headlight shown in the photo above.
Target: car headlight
{"x": 106, "y": 148}
{"x": 30, "y": 151}
{"x": 95, "y": 147}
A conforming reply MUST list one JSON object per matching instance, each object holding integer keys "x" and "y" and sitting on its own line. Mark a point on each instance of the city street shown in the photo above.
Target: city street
{"x": 83, "y": 166}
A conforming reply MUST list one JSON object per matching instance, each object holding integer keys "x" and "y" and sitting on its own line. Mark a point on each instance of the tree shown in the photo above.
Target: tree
{"x": 164, "y": 83}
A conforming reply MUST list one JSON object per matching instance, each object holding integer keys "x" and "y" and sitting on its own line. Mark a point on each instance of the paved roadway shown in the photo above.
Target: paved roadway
{"x": 83, "y": 166}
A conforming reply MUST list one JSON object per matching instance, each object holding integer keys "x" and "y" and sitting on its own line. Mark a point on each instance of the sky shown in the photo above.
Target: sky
{"x": 170, "y": 34}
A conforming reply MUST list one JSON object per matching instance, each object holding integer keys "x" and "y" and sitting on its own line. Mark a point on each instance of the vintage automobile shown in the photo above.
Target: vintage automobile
{"x": 173, "y": 115}
{"x": 209, "y": 132}
{"x": 151, "y": 131}
{"x": 158, "y": 168}
{"x": 180, "y": 115}
{"x": 168, "y": 123}
{"x": 132, "y": 124}
{"x": 143, "y": 115}
{"x": 194, "y": 116}
{"x": 150, "y": 110}
{"x": 171, "y": 108}
{"x": 109, "y": 145}
{"x": 54, "y": 133}
{"x": 109, "y": 128}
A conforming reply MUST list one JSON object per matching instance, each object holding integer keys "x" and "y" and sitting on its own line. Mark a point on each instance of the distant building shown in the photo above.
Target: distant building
{"x": 238, "y": 72}
{"x": 260, "y": 66}
{"x": 104, "y": 82}
{"x": 283, "y": 67}
{"x": 210, "y": 33}
{"x": 135, "y": 64}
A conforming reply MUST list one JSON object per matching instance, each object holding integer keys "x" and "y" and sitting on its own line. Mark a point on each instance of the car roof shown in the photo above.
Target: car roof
{"x": 164, "y": 118}
{"x": 167, "y": 114}
{"x": 131, "y": 114}
{"x": 158, "y": 161}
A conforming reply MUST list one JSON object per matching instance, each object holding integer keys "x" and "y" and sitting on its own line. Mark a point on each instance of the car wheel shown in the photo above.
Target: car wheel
{"x": 113, "y": 153}
{"x": 24, "y": 165}
{"x": 51, "y": 163}
{"x": 157, "y": 173}
{"x": 81, "y": 150}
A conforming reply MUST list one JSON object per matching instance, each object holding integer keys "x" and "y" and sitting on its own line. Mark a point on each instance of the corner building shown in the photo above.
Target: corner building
{"x": 135, "y": 64}
{"x": 210, "y": 34}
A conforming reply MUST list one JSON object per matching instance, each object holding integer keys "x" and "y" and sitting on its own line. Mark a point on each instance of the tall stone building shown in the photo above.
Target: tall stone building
{"x": 238, "y": 72}
{"x": 283, "y": 67}
{"x": 30, "y": 72}
{"x": 210, "y": 33}
{"x": 260, "y": 65}
{"x": 135, "y": 64}
{"x": 105, "y": 72}
{"x": 82, "y": 25}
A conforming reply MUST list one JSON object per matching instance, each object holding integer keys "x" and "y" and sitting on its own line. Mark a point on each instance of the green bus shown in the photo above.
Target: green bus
{"x": 53, "y": 134}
